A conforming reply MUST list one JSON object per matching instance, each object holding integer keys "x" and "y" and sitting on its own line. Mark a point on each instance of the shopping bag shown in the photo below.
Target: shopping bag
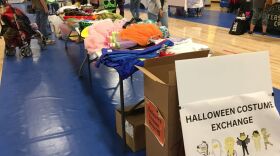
{"x": 239, "y": 26}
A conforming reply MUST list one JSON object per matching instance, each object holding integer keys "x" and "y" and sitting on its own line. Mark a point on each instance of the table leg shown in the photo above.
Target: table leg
{"x": 82, "y": 65}
{"x": 122, "y": 112}
{"x": 89, "y": 71}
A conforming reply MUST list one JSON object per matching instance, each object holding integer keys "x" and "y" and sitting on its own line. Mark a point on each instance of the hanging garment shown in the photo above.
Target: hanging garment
{"x": 124, "y": 61}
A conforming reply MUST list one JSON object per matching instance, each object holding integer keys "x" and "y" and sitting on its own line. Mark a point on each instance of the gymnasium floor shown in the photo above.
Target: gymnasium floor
{"x": 46, "y": 110}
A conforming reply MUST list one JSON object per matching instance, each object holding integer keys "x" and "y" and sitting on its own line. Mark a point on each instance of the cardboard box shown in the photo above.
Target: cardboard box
{"x": 134, "y": 127}
{"x": 163, "y": 127}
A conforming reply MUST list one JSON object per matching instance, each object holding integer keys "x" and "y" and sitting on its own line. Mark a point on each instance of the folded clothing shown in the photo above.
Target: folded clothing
{"x": 185, "y": 46}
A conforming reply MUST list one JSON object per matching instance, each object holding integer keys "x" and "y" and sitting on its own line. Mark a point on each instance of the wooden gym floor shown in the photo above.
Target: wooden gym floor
{"x": 218, "y": 39}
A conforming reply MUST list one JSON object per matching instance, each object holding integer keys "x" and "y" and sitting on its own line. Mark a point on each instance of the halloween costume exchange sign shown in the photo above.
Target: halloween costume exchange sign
{"x": 232, "y": 126}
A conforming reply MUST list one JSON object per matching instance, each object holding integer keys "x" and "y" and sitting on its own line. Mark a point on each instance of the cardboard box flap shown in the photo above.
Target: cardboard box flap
{"x": 133, "y": 109}
{"x": 150, "y": 75}
{"x": 172, "y": 77}
{"x": 171, "y": 59}
{"x": 158, "y": 69}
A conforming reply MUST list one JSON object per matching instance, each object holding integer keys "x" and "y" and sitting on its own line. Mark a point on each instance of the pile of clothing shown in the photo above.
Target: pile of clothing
{"x": 123, "y": 48}
{"x": 110, "y": 34}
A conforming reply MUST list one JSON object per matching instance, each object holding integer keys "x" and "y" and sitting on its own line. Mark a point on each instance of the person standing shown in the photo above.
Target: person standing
{"x": 259, "y": 13}
{"x": 120, "y": 4}
{"x": 134, "y": 8}
{"x": 158, "y": 11}
{"x": 42, "y": 12}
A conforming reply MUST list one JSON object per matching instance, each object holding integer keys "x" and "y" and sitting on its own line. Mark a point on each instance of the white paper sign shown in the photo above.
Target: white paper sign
{"x": 232, "y": 126}
{"x": 222, "y": 76}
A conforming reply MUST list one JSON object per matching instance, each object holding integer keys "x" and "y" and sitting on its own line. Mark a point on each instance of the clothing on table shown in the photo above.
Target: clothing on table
{"x": 115, "y": 42}
{"x": 99, "y": 32}
{"x": 109, "y": 15}
{"x": 185, "y": 46}
{"x": 124, "y": 61}
{"x": 141, "y": 33}
{"x": 61, "y": 10}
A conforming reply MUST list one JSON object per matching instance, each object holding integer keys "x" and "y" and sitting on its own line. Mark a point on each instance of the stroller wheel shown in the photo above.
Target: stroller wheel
{"x": 41, "y": 39}
{"x": 26, "y": 51}
{"x": 42, "y": 43}
{"x": 10, "y": 51}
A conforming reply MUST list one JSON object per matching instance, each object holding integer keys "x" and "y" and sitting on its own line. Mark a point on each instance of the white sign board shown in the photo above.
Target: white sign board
{"x": 221, "y": 76}
{"x": 232, "y": 126}
{"x": 217, "y": 118}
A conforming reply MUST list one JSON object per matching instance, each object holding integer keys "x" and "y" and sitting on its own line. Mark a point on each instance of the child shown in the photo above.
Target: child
{"x": 158, "y": 11}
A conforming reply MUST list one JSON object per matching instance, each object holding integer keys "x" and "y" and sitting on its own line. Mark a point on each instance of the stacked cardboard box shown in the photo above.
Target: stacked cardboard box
{"x": 162, "y": 120}
{"x": 134, "y": 127}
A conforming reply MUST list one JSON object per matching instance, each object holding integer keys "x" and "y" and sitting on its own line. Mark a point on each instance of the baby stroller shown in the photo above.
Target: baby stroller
{"x": 18, "y": 31}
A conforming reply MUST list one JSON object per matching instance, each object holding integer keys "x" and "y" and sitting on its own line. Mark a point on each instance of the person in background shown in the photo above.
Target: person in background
{"x": 42, "y": 13}
{"x": 234, "y": 6}
{"x": 120, "y": 4}
{"x": 245, "y": 7}
{"x": 158, "y": 11}
{"x": 259, "y": 13}
{"x": 134, "y": 8}
{"x": 82, "y": 2}
{"x": 94, "y": 3}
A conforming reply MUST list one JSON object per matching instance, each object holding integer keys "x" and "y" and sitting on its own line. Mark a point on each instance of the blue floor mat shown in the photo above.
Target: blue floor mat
{"x": 216, "y": 18}
{"x": 45, "y": 109}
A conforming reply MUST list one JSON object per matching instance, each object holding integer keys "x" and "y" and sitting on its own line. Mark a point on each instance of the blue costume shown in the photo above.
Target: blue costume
{"x": 124, "y": 61}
